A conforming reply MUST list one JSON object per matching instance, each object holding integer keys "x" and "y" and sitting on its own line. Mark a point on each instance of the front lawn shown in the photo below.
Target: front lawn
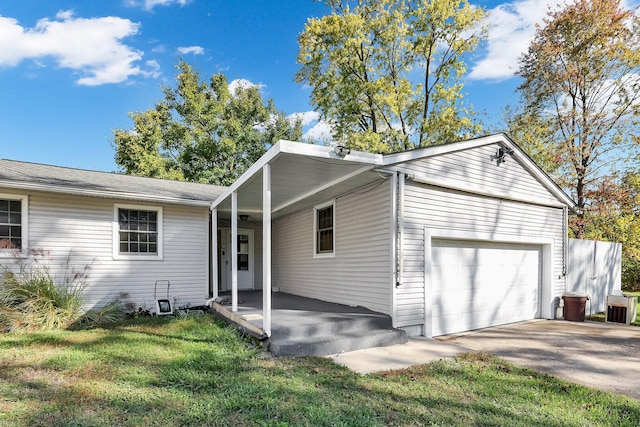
{"x": 196, "y": 371}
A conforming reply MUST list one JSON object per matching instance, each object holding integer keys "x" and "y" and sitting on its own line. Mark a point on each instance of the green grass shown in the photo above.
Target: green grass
{"x": 600, "y": 317}
{"x": 196, "y": 371}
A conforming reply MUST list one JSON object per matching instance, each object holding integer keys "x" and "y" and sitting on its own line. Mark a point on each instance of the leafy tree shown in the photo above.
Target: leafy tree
{"x": 581, "y": 73}
{"x": 387, "y": 73}
{"x": 534, "y": 134}
{"x": 202, "y": 132}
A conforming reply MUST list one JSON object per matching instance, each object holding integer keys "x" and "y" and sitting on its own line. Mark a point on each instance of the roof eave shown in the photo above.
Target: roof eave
{"x": 74, "y": 191}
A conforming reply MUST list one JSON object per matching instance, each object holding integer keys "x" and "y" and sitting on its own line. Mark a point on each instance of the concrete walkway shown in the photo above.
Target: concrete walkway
{"x": 417, "y": 351}
{"x": 605, "y": 356}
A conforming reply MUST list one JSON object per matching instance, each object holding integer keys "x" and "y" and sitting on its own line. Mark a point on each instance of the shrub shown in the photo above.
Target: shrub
{"x": 31, "y": 297}
{"x": 111, "y": 312}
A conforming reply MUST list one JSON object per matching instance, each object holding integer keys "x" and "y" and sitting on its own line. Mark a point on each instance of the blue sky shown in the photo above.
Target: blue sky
{"x": 71, "y": 70}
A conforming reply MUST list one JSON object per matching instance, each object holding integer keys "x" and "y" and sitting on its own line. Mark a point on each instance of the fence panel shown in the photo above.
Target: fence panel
{"x": 594, "y": 268}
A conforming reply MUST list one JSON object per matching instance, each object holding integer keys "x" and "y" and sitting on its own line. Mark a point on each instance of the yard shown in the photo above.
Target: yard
{"x": 196, "y": 371}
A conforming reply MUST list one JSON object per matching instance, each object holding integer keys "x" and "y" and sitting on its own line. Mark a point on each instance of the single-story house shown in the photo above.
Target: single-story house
{"x": 130, "y": 231}
{"x": 441, "y": 239}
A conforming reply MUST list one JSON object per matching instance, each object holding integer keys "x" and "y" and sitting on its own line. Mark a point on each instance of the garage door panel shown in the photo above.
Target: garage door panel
{"x": 469, "y": 302}
{"x": 481, "y": 284}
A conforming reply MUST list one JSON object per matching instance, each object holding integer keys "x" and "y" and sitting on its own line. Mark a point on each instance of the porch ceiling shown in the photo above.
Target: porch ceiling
{"x": 301, "y": 176}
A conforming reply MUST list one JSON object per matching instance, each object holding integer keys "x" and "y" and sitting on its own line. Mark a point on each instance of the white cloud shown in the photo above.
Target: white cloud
{"x": 512, "y": 27}
{"x": 90, "y": 46}
{"x": 196, "y": 50}
{"x": 150, "y": 4}
{"x": 307, "y": 117}
{"x": 319, "y": 132}
{"x": 242, "y": 83}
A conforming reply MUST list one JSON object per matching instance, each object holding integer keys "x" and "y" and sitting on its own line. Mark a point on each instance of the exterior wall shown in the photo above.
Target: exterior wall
{"x": 360, "y": 271}
{"x": 476, "y": 170}
{"x": 61, "y": 224}
{"x": 463, "y": 214}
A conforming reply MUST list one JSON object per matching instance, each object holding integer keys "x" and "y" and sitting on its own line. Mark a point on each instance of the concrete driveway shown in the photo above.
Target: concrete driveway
{"x": 605, "y": 356}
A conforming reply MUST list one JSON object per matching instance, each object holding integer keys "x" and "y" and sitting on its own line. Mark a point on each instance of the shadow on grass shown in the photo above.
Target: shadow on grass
{"x": 196, "y": 372}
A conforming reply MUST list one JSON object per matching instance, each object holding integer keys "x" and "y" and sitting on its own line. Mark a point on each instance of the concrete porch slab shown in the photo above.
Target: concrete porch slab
{"x": 309, "y": 327}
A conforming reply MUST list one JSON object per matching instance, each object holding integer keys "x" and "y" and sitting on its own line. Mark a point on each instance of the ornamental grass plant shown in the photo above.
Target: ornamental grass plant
{"x": 33, "y": 298}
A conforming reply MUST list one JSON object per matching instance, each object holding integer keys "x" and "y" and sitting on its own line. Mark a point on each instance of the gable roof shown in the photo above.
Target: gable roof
{"x": 304, "y": 175}
{"x": 501, "y": 139}
{"x": 32, "y": 176}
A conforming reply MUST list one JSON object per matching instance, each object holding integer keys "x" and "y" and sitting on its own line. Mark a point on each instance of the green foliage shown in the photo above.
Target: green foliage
{"x": 196, "y": 371}
{"x": 386, "y": 73}
{"x": 202, "y": 131}
{"x": 581, "y": 77}
{"x": 32, "y": 299}
{"x": 535, "y": 134}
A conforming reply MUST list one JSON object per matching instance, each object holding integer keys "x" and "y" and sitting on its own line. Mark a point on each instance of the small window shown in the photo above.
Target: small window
{"x": 325, "y": 225}
{"x": 12, "y": 223}
{"x": 138, "y": 232}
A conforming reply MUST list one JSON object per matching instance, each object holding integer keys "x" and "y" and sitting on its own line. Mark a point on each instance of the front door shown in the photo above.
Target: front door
{"x": 244, "y": 241}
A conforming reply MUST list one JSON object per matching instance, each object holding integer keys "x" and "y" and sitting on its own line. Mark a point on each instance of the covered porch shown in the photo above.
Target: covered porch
{"x": 309, "y": 327}
{"x": 288, "y": 179}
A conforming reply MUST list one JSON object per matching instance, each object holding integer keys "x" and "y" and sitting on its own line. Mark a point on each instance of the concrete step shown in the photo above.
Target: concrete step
{"x": 322, "y": 345}
{"x": 321, "y": 324}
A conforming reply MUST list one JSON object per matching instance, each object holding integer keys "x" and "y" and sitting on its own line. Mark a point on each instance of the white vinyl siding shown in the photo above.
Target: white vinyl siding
{"x": 360, "y": 271}
{"x": 60, "y": 224}
{"x": 443, "y": 210}
{"x": 476, "y": 170}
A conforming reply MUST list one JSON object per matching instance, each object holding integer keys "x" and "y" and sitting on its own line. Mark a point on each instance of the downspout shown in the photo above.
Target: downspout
{"x": 400, "y": 229}
{"x": 565, "y": 243}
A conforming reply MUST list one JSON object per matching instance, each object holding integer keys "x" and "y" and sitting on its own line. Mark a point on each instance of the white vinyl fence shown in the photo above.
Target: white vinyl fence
{"x": 594, "y": 268}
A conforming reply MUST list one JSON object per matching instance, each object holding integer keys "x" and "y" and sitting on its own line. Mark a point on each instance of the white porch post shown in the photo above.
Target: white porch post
{"x": 234, "y": 251}
{"x": 214, "y": 252}
{"x": 266, "y": 249}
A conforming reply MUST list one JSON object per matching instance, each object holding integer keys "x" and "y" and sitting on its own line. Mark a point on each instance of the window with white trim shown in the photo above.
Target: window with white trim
{"x": 137, "y": 232}
{"x": 324, "y": 240}
{"x": 13, "y": 223}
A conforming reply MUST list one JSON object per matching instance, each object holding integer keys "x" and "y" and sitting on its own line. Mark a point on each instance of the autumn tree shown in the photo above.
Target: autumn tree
{"x": 580, "y": 73}
{"x": 386, "y": 74}
{"x": 202, "y": 131}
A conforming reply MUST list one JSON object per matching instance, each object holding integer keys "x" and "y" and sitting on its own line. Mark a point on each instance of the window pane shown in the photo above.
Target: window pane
{"x": 4, "y": 205}
{"x": 325, "y": 241}
{"x": 15, "y": 206}
{"x": 243, "y": 262}
{"x": 15, "y": 218}
{"x": 324, "y": 232}
{"x": 4, "y": 231}
{"x": 138, "y": 229}
{"x": 4, "y": 217}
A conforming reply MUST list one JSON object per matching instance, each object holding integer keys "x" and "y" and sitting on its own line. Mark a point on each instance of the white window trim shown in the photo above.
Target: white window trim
{"x": 24, "y": 223}
{"x": 331, "y": 254}
{"x": 116, "y": 234}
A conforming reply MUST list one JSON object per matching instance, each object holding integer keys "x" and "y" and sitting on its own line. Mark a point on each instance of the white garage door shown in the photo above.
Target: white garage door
{"x": 478, "y": 284}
